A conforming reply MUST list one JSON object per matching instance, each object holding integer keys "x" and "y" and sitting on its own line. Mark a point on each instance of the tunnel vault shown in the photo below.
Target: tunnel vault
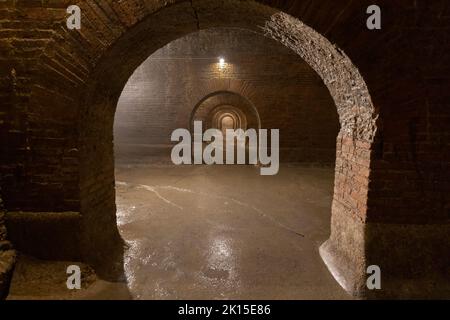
{"x": 95, "y": 64}
{"x": 217, "y": 103}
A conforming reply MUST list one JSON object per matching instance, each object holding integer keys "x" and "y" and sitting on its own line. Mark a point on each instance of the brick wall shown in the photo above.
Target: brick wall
{"x": 287, "y": 94}
{"x": 410, "y": 96}
{"x": 27, "y": 29}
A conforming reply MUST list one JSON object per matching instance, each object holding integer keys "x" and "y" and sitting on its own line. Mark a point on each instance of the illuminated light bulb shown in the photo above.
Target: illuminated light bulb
{"x": 221, "y": 63}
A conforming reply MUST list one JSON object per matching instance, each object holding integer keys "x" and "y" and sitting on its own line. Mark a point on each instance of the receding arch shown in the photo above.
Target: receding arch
{"x": 225, "y": 117}
{"x": 216, "y": 99}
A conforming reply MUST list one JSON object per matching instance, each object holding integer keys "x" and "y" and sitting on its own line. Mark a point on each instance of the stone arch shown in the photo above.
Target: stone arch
{"x": 227, "y": 116}
{"x": 207, "y": 104}
{"x": 106, "y": 65}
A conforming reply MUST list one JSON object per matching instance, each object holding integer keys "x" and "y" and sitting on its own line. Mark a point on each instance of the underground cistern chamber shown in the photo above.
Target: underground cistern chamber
{"x": 223, "y": 150}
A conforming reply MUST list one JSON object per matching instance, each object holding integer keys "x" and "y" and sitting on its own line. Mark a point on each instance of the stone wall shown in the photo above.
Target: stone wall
{"x": 287, "y": 94}
{"x": 7, "y": 256}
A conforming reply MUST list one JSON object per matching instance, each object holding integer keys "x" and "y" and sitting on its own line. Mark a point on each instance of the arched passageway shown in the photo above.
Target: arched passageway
{"x": 346, "y": 86}
{"x": 225, "y": 231}
{"x": 389, "y": 186}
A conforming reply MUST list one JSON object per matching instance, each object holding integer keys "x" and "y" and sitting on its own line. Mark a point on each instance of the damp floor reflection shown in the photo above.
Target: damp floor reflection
{"x": 225, "y": 232}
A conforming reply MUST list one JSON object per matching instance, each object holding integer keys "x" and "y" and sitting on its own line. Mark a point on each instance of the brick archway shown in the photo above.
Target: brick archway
{"x": 205, "y": 108}
{"x": 102, "y": 69}
{"x": 345, "y": 251}
{"x": 57, "y": 179}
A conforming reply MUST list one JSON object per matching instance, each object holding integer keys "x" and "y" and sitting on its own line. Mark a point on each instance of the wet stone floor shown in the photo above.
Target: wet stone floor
{"x": 215, "y": 232}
